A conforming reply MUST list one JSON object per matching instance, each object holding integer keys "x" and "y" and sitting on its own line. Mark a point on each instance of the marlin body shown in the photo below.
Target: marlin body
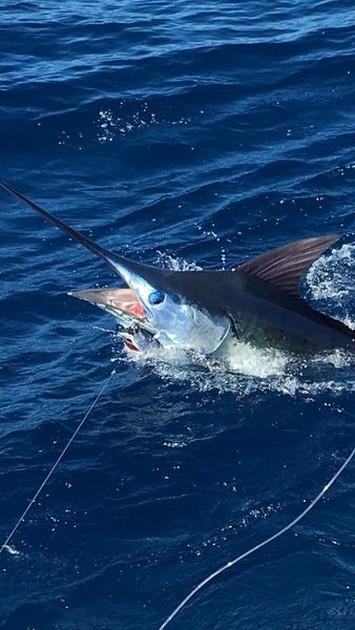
{"x": 257, "y": 302}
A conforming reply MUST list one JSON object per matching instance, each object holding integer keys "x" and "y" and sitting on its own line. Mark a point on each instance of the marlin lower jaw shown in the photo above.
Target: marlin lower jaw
{"x": 138, "y": 340}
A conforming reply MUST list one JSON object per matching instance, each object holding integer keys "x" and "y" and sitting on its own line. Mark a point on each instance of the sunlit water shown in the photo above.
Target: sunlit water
{"x": 192, "y": 136}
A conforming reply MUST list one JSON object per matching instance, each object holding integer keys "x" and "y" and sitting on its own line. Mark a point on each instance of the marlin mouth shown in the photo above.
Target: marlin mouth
{"x": 137, "y": 333}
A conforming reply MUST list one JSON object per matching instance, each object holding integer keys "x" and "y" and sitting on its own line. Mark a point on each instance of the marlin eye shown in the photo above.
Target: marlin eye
{"x": 157, "y": 297}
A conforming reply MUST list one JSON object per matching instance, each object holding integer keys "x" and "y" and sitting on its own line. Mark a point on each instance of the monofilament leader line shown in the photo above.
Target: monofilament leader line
{"x": 59, "y": 458}
{"x": 265, "y": 542}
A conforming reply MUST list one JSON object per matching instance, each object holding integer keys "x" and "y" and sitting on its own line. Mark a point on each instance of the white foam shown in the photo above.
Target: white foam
{"x": 243, "y": 358}
{"x": 255, "y": 372}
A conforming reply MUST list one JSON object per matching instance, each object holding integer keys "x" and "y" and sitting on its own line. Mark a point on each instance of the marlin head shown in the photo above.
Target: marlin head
{"x": 152, "y": 314}
{"x": 153, "y": 310}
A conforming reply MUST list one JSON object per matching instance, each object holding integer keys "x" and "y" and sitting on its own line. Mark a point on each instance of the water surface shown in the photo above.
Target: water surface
{"x": 179, "y": 134}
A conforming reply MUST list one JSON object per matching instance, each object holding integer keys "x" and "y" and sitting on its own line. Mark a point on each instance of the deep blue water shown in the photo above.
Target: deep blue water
{"x": 179, "y": 133}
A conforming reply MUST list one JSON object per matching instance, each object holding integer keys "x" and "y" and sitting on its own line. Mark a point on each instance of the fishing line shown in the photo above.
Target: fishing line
{"x": 265, "y": 542}
{"x": 57, "y": 461}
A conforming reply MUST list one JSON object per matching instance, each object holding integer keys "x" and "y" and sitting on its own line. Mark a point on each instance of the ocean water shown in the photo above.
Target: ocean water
{"x": 181, "y": 134}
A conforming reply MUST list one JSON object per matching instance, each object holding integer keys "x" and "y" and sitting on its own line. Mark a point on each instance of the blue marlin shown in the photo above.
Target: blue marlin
{"x": 257, "y": 302}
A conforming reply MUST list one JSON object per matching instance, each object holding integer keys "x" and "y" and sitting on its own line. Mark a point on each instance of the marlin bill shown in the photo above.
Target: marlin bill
{"x": 208, "y": 312}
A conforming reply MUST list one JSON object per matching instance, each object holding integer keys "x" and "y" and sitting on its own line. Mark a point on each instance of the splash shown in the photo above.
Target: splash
{"x": 256, "y": 373}
{"x": 110, "y": 125}
{"x": 330, "y": 282}
{"x": 126, "y": 120}
{"x": 167, "y": 261}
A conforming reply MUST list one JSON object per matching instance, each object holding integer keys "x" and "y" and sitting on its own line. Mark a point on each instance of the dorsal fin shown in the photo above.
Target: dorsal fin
{"x": 284, "y": 267}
